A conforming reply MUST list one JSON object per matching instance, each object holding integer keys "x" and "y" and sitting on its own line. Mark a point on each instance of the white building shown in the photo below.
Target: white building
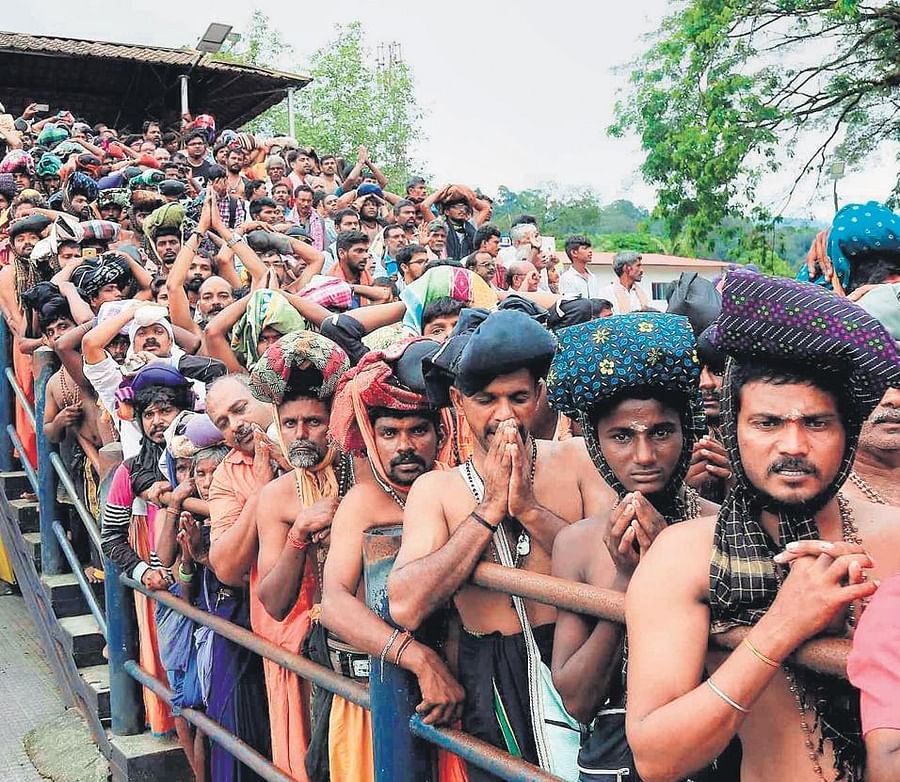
{"x": 659, "y": 271}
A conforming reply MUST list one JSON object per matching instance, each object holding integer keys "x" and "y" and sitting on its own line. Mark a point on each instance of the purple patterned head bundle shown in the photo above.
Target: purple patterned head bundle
{"x": 783, "y": 320}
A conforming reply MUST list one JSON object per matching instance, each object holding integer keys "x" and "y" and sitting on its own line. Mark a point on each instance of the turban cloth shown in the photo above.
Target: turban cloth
{"x": 100, "y": 230}
{"x": 144, "y": 200}
{"x": 484, "y": 346}
{"x": 52, "y": 134}
{"x": 296, "y": 353}
{"x": 79, "y": 183}
{"x": 856, "y": 230}
{"x": 17, "y": 161}
{"x": 118, "y": 196}
{"x": 7, "y": 186}
{"x": 446, "y": 281}
{"x": 46, "y": 300}
{"x": 112, "y": 268}
{"x": 883, "y": 303}
{"x": 373, "y": 382}
{"x": 66, "y": 148}
{"x": 610, "y": 357}
{"x": 166, "y": 216}
{"x": 35, "y": 223}
{"x": 48, "y": 165}
{"x": 802, "y": 328}
{"x": 329, "y": 292}
{"x": 246, "y": 141}
{"x": 264, "y": 308}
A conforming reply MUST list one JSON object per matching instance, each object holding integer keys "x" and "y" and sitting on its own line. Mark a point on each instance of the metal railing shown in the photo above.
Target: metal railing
{"x": 402, "y": 742}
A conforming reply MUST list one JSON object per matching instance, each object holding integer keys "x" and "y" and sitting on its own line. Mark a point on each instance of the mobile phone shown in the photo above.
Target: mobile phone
{"x": 42, "y": 107}
{"x": 89, "y": 252}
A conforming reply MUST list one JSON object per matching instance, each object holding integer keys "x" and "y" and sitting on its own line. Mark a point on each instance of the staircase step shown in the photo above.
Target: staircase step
{"x": 33, "y": 547}
{"x": 147, "y": 758}
{"x": 15, "y": 483}
{"x": 96, "y": 677}
{"x": 66, "y": 597}
{"x": 26, "y": 514}
{"x": 85, "y": 639}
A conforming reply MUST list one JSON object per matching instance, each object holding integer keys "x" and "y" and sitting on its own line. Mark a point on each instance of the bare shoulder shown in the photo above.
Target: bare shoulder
{"x": 436, "y": 481}
{"x": 276, "y": 500}
{"x": 879, "y": 528}
{"x": 366, "y": 505}
{"x": 575, "y": 546}
{"x": 680, "y": 556}
{"x": 571, "y": 450}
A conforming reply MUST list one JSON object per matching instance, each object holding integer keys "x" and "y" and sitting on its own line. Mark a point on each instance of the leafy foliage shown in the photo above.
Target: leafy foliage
{"x": 350, "y": 102}
{"x": 729, "y": 86}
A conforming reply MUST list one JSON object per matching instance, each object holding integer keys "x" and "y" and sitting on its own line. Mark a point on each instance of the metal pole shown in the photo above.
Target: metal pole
{"x": 290, "y": 100}
{"x": 184, "y": 79}
{"x": 6, "y": 456}
{"x": 393, "y": 694}
{"x": 52, "y": 561}
{"x": 126, "y": 704}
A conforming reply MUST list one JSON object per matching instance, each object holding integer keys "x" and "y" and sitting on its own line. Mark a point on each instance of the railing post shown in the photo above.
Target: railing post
{"x": 52, "y": 561}
{"x": 399, "y": 756}
{"x": 6, "y": 453}
{"x": 126, "y": 705}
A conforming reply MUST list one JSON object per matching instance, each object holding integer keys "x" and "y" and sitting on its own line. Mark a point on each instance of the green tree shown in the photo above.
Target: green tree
{"x": 350, "y": 101}
{"x": 729, "y": 86}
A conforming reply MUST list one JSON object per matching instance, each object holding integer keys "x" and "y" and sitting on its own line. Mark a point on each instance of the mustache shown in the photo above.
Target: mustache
{"x": 793, "y": 464}
{"x": 889, "y": 416}
{"x": 711, "y": 394}
{"x": 242, "y": 431}
{"x": 408, "y": 458}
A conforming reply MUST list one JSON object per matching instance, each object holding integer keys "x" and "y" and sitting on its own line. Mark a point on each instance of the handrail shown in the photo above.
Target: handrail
{"x": 20, "y": 395}
{"x": 391, "y": 692}
{"x": 23, "y": 458}
{"x": 87, "y": 519}
{"x": 86, "y": 591}
{"x": 246, "y": 754}
{"x": 825, "y": 655}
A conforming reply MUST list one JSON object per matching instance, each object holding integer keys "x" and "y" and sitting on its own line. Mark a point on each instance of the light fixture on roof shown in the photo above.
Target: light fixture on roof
{"x": 216, "y": 34}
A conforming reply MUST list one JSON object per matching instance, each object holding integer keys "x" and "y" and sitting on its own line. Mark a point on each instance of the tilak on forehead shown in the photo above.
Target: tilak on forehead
{"x": 806, "y": 331}
{"x": 608, "y": 357}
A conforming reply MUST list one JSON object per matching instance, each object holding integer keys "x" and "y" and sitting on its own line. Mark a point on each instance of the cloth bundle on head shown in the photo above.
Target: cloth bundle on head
{"x": 148, "y": 316}
{"x": 112, "y": 268}
{"x": 34, "y": 223}
{"x": 856, "y": 230}
{"x": 145, "y": 200}
{"x": 484, "y": 346}
{"x": 284, "y": 361}
{"x": 452, "y": 282}
{"x": 52, "y": 134}
{"x": 166, "y": 216}
{"x": 377, "y": 381}
{"x": 208, "y": 123}
{"x": 7, "y": 186}
{"x": 119, "y": 196}
{"x": 78, "y": 183}
{"x": 883, "y": 303}
{"x": 606, "y": 359}
{"x": 265, "y": 307}
{"x": 17, "y": 161}
{"x": 329, "y": 292}
{"x": 65, "y": 228}
{"x": 805, "y": 330}
{"x": 100, "y": 231}
{"x": 202, "y": 432}
{"x": 48, "y": 165}
{"x": 110, "y": 309}
{"x": 47, "y": 302}
{"x": 66, "y": 148}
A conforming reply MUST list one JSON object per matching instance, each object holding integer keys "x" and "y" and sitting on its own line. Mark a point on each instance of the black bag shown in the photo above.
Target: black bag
{"x": 605, "y": 755}
{"x": 315, "y": 647}
{"x": 697, "y": 298}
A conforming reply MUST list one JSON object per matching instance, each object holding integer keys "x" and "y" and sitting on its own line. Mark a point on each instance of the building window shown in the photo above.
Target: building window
{"x": 660, "y": 290}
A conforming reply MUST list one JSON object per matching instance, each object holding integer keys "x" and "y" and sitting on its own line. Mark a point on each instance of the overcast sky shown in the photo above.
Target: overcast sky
{"x": 514, "y": 93}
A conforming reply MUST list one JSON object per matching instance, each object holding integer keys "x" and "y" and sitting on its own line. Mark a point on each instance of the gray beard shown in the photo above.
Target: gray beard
{"x": 303, "y": 455}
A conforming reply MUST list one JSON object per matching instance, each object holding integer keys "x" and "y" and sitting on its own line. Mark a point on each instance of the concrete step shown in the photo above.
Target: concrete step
{"x": 147, "y": 758}
{"x": 96, "y": 677}
{"x": 66, "y": 597}
{"x": 14, "y": 483}
{"x": 33, "y": 547}
{"x": 85, "y": 640}
{"x": 26, "y": 514}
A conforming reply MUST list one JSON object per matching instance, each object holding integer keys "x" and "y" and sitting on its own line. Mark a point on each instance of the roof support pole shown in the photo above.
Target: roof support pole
{"x": 290, "y": 99}
{"x": 184, "y": 79}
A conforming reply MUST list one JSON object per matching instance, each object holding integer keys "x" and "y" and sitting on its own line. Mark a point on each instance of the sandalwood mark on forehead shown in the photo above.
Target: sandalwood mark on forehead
{"x": 638, "y": 427}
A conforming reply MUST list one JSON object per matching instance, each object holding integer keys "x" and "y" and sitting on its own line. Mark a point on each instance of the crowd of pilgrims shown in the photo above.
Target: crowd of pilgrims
{"x": 264, "y": 354}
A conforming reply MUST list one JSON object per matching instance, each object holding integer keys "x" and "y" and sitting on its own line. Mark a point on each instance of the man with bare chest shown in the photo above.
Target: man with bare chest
{"x": 298, "y": 376}
{"x": 506, "y": 504}
{"x": 380, "y": 411}
{"x": 640, "y": 423}
{"x": 787, "y": 556}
